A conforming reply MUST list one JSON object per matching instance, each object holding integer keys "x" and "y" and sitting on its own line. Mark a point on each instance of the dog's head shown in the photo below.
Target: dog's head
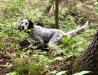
{"x": 25, "y": 24}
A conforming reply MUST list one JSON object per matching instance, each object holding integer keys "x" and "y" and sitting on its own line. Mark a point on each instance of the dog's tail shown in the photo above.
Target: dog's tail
{"x": 77, "y": 31}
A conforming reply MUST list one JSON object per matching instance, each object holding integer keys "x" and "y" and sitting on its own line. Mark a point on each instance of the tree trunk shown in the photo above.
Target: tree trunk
{"x": 56, "y": 14}
{"x": 89, "y": 60}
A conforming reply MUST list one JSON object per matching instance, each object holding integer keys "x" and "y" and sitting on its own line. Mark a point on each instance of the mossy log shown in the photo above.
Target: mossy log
{"x": 88, "y": 61}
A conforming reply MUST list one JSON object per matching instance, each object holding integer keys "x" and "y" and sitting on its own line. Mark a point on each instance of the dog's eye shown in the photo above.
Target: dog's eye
{"x": 26, "y": 23}
{"x": 21, "y": 22}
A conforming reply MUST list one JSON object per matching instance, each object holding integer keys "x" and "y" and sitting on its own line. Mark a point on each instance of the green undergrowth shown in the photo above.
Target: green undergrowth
{"x": 37, "y": 62}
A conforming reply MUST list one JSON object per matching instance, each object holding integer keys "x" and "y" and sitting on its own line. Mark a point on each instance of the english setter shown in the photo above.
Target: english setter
{"x": 48, "y": 36}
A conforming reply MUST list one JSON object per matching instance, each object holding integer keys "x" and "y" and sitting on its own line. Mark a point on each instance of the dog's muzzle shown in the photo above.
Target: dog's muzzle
{"x": 21, "y": 28}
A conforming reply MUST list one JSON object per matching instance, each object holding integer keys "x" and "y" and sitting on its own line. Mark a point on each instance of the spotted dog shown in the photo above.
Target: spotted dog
{"x": 47, "y": 36}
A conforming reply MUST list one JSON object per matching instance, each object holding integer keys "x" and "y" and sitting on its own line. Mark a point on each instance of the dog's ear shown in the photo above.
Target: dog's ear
{"x": 31, "y": 24}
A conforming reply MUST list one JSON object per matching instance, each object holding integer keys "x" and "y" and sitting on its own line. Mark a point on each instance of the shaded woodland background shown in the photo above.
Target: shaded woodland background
{"x": 75, "y": 56}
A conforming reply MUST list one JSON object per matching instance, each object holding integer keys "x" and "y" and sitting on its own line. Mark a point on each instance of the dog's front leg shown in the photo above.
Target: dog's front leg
{"x": 31, "y": 42}
{"x": 39, "y": 40}
{"x": 55, "y": 39}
